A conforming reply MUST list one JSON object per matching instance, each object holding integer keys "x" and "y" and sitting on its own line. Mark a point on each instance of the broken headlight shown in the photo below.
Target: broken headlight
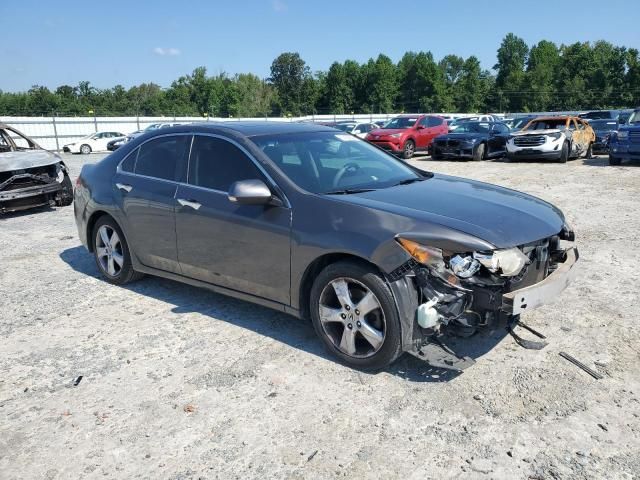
{"x": 508, "y": 263}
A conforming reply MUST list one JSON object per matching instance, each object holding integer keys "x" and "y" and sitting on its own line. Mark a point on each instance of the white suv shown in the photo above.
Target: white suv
{"x": 553, "y": 138}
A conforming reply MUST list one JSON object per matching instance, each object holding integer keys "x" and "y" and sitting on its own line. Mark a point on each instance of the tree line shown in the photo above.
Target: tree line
{"x": 543, "y": 77}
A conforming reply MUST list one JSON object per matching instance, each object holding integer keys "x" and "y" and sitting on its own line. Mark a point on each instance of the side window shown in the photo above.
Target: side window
{"x": 216, "y": 163}
{"x": 424, "y": 122}
{"x": 434, "y": 122}
{"x": 580, "y": 124}
{"x": 571, "y": 124}
{"x": 129, "y": 162}
{"x": 363, "y": 127}
{"x": 499, "y": 128}
{"x": 164, "y": 157}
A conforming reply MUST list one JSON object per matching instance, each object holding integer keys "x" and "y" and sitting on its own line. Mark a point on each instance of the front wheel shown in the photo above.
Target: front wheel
{"x": 564, "y": 153}
{"x": 589, "y": 153}
{"x": 85, "y": 149}
{"x": 111, "y": 252}
{"x": 613, "y": 160}
{"x": 478, "y": 153}
{"x": 409, "y": 149}
{"x": 355, "y": 316}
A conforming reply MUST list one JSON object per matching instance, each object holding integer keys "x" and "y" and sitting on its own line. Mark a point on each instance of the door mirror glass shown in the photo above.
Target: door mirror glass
{"x": 249, "y": 192}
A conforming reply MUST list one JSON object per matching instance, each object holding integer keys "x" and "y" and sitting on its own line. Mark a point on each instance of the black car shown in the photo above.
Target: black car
{"x": 603, "y": 130}
{"x": 600, "y": 115}
{"x": 472, "y": 140}
{"x": 382, "y": 257}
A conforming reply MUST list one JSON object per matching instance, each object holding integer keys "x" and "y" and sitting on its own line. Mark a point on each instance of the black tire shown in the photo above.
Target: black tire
{"x": 589, "y": 153}
{"x": 85, "y": 149}
{"x": 66, "y": 194}
{"x": 564, "y": 153}
{"x": 614, "y": 161}
{"x": 436, "y": 156}
{"x": 479, "y": 153}
{"x": 367, "y": 276}
{"x": 126, "y": 273}
{"x": 409, "y": 149}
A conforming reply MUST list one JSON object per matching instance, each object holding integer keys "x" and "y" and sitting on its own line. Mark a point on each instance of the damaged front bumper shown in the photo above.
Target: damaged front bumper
{"x": 434, "y": 309}
{"x": 534, "y": 296}
{"x": 24, "y": 190}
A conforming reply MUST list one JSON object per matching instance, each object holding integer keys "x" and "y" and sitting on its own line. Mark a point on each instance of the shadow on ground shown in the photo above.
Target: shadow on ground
{"x": 279, "y": 326}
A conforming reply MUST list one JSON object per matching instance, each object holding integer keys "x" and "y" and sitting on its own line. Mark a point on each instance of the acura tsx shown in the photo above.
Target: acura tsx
{"x": 382, "y": 257}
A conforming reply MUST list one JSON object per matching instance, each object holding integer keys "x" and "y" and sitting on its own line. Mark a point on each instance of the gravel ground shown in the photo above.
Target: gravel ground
{"x": 181, "y": 383}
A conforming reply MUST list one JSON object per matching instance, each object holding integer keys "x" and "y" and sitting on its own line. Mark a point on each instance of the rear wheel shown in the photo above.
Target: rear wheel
{"x": 409, "y": 149}
{"x": 564, "y": 153}
{"x": 589, "y": 153}
{"x": 478, "y": 153}
{"x": 355, "y": 316}
{"x": 111, "y": 252}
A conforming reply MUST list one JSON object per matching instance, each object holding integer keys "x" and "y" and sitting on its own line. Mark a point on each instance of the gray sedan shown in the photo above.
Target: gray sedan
{"x": 383, "y": 258}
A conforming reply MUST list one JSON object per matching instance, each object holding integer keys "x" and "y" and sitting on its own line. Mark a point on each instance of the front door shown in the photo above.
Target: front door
{"x": 498, "y": 136}
{"x": 144, "y": 186}
{"x": 241, "y": 247}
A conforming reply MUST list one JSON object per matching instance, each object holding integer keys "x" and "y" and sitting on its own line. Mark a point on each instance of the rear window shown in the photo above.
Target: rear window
{"x": 164, "y": 158}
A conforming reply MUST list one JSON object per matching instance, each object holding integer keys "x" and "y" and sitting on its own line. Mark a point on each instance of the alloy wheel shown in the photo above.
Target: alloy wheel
{"x": 352, "y": 317}
{"x": 109, "y": 251}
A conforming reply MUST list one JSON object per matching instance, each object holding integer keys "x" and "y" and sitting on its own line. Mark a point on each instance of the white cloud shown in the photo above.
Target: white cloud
{"x": 166, "y": 51}
{"x": 279, "y": 6}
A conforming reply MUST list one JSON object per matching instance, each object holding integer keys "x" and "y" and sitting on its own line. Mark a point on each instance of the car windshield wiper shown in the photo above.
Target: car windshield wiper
{"x": 407, "y": 181}
{"x": 349, "y": 191}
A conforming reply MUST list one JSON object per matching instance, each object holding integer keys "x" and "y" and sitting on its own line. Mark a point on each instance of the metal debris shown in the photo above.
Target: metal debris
{"x": 581, "y": 365}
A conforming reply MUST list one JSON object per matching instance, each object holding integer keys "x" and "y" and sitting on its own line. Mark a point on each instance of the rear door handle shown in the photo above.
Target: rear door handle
{"x": 189, "y": 203}
{"x": 124, "y": 186}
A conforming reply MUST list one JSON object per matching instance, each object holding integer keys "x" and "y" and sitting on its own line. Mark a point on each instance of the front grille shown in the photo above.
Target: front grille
{"x": 529, "y": 140}
{"x": 448, "y": 143}
{"x": 634, "y": 137}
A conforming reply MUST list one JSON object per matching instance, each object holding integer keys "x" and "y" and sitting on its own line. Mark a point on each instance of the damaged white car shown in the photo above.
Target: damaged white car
{"x": 29, "y": 175}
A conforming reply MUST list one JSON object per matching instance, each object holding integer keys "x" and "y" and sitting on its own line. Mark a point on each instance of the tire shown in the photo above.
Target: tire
{"x": 85, "y": 149}
{"x": 66, "y": 194}
{"x": 338, "y": 318}
{"x": 436, "y": 156}
{"x": 409, "y": 149}
{"x": 122, "y": 272}
{"x": 613, "y": 160}
{"x": 589, "y": 153}
{"x": 564, "y": 153}
{"x": 478, "y": 153}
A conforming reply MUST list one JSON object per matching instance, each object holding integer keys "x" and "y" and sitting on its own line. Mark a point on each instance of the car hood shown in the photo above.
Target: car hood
{"x": 383, "y": 132}
{"x": 461, "y": 136}
{"x": 20, "y": 160}
{"x": 500, "y": 216}
{"x": 536, "y": 132}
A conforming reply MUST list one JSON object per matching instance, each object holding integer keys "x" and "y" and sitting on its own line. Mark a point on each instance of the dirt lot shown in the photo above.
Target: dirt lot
{"x": 181, "y": 383}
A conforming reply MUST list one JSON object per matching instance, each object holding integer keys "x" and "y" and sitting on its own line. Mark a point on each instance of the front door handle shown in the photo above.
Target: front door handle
{"x": 189, "y": 203}
{"x": 124, "y": 186}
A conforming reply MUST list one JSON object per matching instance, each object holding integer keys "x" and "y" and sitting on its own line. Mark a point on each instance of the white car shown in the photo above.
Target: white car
{"x": 354, "y": 128}
{"x": 455, "y": 123}
{"x": 96, "y": 142}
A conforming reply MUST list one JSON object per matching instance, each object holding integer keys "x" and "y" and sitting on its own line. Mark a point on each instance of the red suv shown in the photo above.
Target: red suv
{"x": 407, "y": 134}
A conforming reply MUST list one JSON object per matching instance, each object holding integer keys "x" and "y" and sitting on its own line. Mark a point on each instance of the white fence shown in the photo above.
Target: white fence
{"x": 53, "y": 133}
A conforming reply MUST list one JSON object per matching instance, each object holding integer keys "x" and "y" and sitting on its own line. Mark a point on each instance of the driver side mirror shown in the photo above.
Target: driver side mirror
{"x": 420, "y": 127}
{"x": 250, "y": 192}
{"x": 356, "y": 132}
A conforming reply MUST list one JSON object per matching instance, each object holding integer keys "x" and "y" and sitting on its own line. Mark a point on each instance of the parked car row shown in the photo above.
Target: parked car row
{"x": 108, "y": 140}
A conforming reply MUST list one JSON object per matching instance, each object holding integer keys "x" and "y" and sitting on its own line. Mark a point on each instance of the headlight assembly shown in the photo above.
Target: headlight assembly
{"x": 508, "y": 263}
{"x": 623, "y": 135}
{"x": 395, "y": 135}
{"x": 555, "y": 136}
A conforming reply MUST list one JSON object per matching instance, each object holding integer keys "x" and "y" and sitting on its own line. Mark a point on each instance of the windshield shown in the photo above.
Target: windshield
{"x": 473, "y": 127}
{"x": 559, "y": 124}
{"x": 635, "y": 117}
{"x": 345, "y": 127}
{"x": 603, "y": 125}
{"x": 401, "y": 122}
{"x": 325, "y": 162}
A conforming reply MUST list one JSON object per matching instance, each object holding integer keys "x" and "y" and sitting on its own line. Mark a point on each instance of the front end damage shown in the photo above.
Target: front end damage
{"x": 25, "y": 188}
{"x": 461, "y": 294}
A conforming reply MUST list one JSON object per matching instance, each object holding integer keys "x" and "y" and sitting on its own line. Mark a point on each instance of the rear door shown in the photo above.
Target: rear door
{"x": 241, "y": 247}
{"x": 145, "y": 185}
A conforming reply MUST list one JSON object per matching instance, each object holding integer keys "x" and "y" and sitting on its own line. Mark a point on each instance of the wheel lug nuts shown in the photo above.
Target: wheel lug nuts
{"x": 347, "y": 307}
{"x": 343, "y": 316}
{"x": 349, "y": 326}
{"x": 357, "y": 312}
{"x": 359, "y": 324}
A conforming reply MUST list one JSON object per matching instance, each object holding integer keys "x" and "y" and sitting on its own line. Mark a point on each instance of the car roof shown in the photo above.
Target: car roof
{"x": 250, "y": 128}
{"x": 556, "y": 117}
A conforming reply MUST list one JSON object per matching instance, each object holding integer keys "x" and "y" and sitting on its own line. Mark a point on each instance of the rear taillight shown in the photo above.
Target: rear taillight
{"x": 78, "y": 181}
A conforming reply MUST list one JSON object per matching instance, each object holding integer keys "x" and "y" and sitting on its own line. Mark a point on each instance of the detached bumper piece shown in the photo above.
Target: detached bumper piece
{"x": 533, "y": 296}
{"x": 438, "y": 355}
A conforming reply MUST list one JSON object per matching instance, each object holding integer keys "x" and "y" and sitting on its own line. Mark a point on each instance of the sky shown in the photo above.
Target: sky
{"x": 52, "y": 43}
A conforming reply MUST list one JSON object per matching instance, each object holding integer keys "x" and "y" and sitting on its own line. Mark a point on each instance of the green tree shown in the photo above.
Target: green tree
{"x": 512, "y": 57}
{"x": 542, "y": 64}
{"x": 291, "y": 78}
